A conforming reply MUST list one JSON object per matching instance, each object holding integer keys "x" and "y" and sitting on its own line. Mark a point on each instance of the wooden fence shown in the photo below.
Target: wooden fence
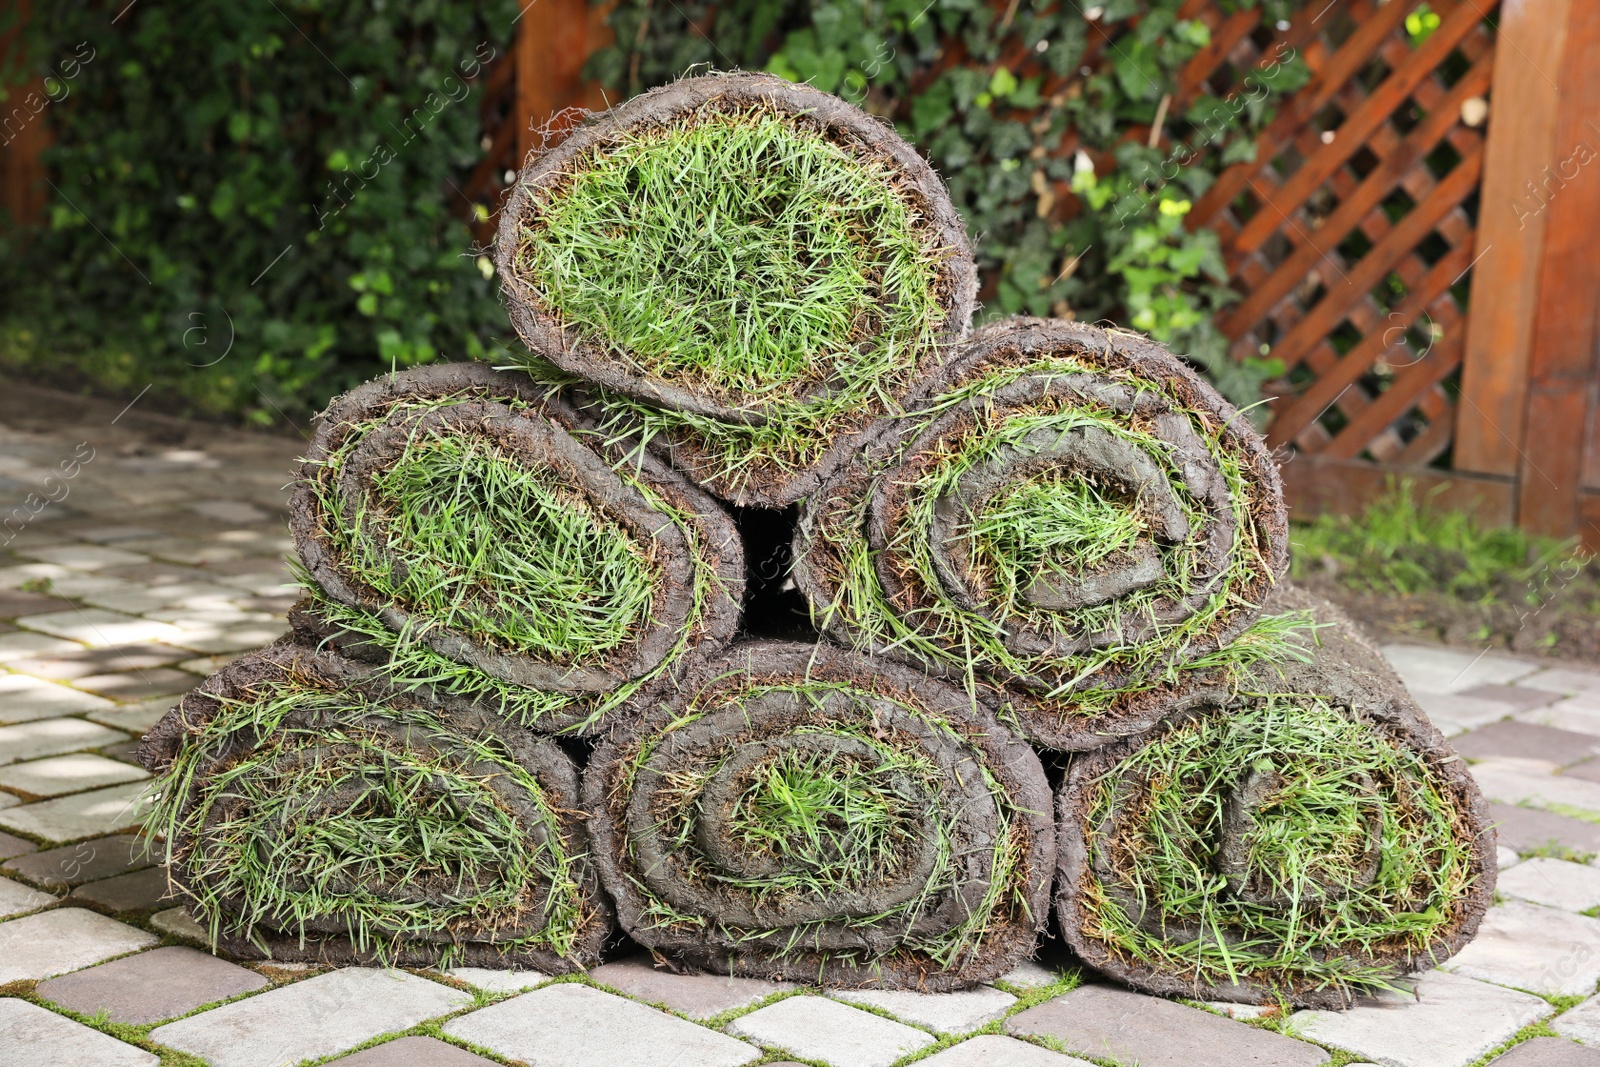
{"x": 1414, "y": 238}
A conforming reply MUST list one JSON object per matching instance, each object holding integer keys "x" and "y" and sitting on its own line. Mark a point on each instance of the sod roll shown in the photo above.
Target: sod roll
{"x": 750, "y": 269}
{"x": 1071, "y": 520}
{"x": 798, "y": 812}
{"x": 312, "y": 812}
{"x": 1308, "y": 837}
{"x": 469, "y": 531}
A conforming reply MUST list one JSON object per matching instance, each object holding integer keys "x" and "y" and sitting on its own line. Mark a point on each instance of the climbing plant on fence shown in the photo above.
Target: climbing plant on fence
{"x": 1069, "y": 135}
{"x": 275, "y": 175}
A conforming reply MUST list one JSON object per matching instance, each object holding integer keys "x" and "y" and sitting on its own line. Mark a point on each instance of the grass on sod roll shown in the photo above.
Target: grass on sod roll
{"x": 1058, "y": 523}
{"x": 1310, "y": 835}
{"x": 751, "y": 258}
{"x": 491, "y": 547}
{"x": 427, "y": 849}
{"x": 842, "y": 826}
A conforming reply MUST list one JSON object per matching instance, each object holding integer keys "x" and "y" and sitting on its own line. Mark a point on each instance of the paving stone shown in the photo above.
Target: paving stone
{"x": 141, "y": 685}
{"x": 1521, "y": 697}
{"x": 24, "y": 644}
{"x": 8, "y": 800}
{"x": 1529, "y": 830}
{"x": 25, "y": 573}
{"x": 1548, "y": 1052}
{"x": 1521, "y": 740}
{"x": 125, "y": 752}
{"x": 58, "y": 775}
{"x": 1581, "y": 1023}
{"x": 19, "y": 899}
{"x": 699, "y": 996}
{"x": 1031, "y": 974}
{"x": 318, "y": 1017}
{"x": 15, "y": 602}
{"x": 84, "y": 557}
{"x": 1516, "y": 782}
{"x": 816, "y": 1028}
{"x": 84, "y": 662}
{"x": 1578, "y": 715}
{"x": 25, "y": 699}
{"x": 150, "y": 986}
{"x": 1446, "y": 670}
{"x": 14, "y": 846}
{"x": 944, "y": 1013}
{"x": 51, "y": 737}
{"x": 55, "y": 942}
{"x": 1565, "y": 680}
{"x": 79, "y": 815}
{"x": 1453, "y": 713}
{"x": 31, "y": 1036}
{"x": 992, "y": 1050}
{"x": 578, "y": 1026}
{"x": 233, "y": 512}
{"x": 86, "y": 861}
{"x": 1452, "y": 1021}
{"x": 1115, "y": 1024}
{"x": 1505, "y": 857}
{"x": 110, "y": 535}
{"x": 1558, "y": 883}
{"x": 493, "y": 981}
{"x": 241, "y": 638}
{"x": 136, "y": 718}
{"x": 140, "y": 891}
{"x": 98, "y": 627}
{"x": 1532, "y": 947}
{"x": 412, "y": 1052}
{"x": 180, "y": 923}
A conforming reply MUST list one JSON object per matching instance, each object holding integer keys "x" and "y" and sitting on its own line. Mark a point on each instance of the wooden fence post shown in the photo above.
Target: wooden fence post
{"x": 554, "y": 40}
{"x": 23, "y": 135}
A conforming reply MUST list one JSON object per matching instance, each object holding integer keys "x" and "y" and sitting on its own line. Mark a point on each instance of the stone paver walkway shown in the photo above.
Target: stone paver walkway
{"x": 143, "y": 552}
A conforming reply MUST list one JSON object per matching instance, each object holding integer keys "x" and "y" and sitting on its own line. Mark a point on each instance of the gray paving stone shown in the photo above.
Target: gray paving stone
{"x": 318, "y": 1017}
{"x": 1505, "y": 857}
{"x": 1520, "y": 697}
{"x": 578, "y": 1026}
{"x": 1558, "y": 883}
{"x": 97, "y": 627}
{"x": 19, "y": 899}
{"x": 17, "y": 602}
{"x": 86, "y": 861}
{"x": 151, "y": 986}
{"x": 55, "y": 942}
{"x": 1116, "y": 1024}
{"x": 493, "y": 981}
{"x": 180, "y": 923}
{"x": 1548, "y": 1052}
{"x": 140, "y": 891}
{"x": 242, "y": 637}
{"x": 14, "y": 846}
{"x": 944, "y": 1013}
{"x": 140, "y": 685}
{"x": 30, "y": 1036}
{"x": 699, "y": 996}
{"x": 1581, "y": 1023}
{"x": 1578, "y": 715}
{"x": 135, "y": 718}
{"x": 73, "y": 773}
{"x": 1452, "y": 1021}
{"x": 1453, "y": 713}
{"x": 1448, "y": 670}
{"x": 1031, "y": 974}
{"x": 1565, "y": 680}
{"x": 1521, "y": 782}
{"x": 992, "y": 1050}
{"x": 25, "y": 699}
{"x": 816, "y": 1028}
{"x": 79, "y": 815}
{"x": 51, "y": 737}
{"x": 1532, "y": 947}
{"x": 412, "y": 1052}
{"x": 1529, "y": 830}
{"x": 25, "y": 643}
{"x": 1521, "y": 740}
{"x": 84, "y": 557}
{"x": 83, "y": 662}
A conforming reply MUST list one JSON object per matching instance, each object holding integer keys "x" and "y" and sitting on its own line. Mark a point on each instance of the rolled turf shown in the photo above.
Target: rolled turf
{"x": 1306, "y": 837}
{"x": 312, "y": 812}
{"x": 1071, "y": 522}
{"x": 798, "y": 812}
{"x": 751, "y": 270}
{"x": 469, "y": 531}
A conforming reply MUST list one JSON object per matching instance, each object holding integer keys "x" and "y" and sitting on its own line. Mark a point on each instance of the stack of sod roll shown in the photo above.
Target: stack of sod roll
{"x": 543, "y": 683}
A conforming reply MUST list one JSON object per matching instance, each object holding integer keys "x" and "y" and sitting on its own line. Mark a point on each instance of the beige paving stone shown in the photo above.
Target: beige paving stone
{"x": 23, "y": 644}
{"x": 24, "y": 698}
{"x": 31, "y": 1036}
{"x": 58, "y": 775}
{"x": 699, "y": 996}
{"x": 50, "y": 737}
{"x": 100, "y": 811}
{"x": 992, "y": 1050}
{"x": 18, "y": 899}
{"x": 80, "y": 557}
{"x": 1558, "y": 883}
{"x": 62, "y": 940}
{"x": 137, "y": 718}
{"x": 817, "y": 1028}
{"x": 98, "y": 627}
{"x": 1543, "y": 950}
{"x": 944, "y": 1013}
